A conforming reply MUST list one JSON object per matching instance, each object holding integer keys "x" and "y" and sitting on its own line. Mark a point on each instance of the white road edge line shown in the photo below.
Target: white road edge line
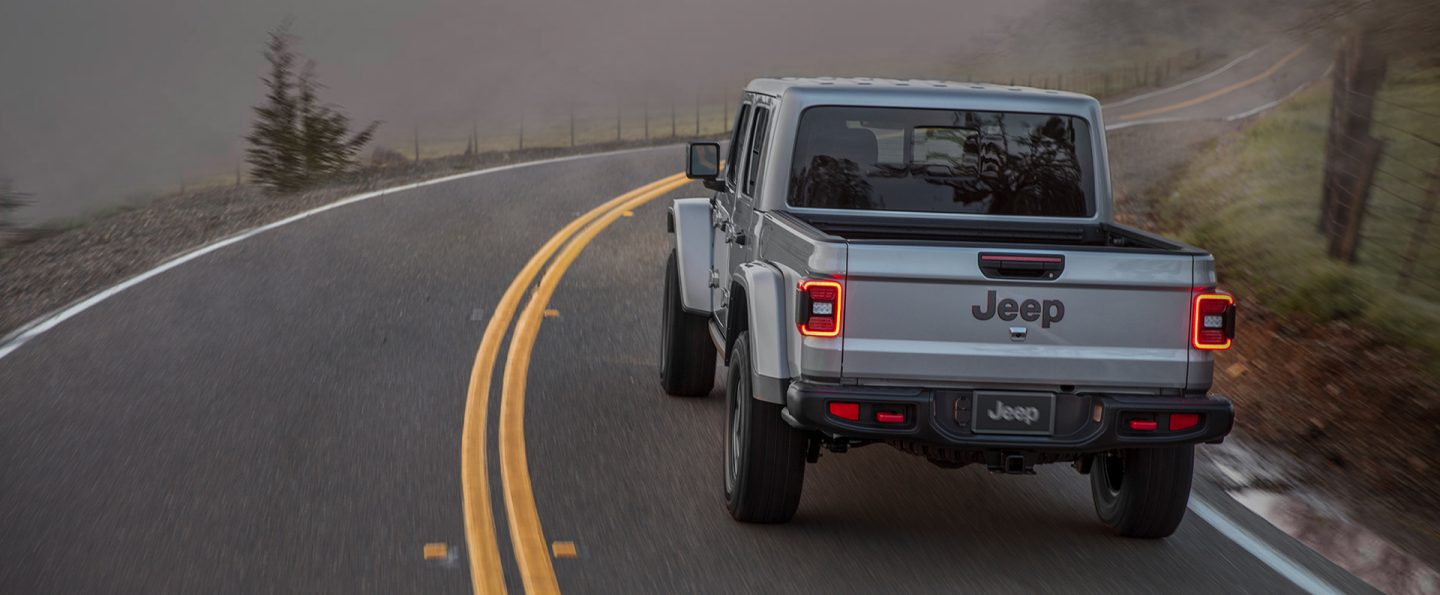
{"x": 1264, "y": 553}
{"x": 1200, "y": 79}
{"x": 1281, "y": 100}
{"x": 1229, "y": 118}
{"x": 1111, "y": 127}
{"x": 50, "y": 321}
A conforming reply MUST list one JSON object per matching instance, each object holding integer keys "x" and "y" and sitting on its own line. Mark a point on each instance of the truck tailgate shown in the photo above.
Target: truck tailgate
{"x": 1111, "y": 319}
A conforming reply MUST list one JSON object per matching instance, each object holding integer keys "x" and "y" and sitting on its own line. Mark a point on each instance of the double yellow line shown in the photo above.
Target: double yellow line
{"x": 526, "y": 536}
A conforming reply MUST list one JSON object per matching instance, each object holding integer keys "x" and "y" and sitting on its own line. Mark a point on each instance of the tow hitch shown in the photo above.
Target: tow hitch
{"x": 1010, "y": 463}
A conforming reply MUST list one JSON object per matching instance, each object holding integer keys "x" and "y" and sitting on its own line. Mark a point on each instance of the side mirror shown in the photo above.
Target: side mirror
{"x": 703, "y": 161}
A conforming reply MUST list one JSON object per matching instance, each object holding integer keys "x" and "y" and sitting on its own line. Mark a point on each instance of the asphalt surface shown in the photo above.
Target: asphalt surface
{"x": 284, "y": 414}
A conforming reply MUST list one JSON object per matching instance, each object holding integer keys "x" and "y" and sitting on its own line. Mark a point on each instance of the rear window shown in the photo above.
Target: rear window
{"x": 943, "y": 161}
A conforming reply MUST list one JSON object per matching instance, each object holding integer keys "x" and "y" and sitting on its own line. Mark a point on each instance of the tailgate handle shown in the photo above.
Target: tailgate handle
{"x": 1022, "y": 266}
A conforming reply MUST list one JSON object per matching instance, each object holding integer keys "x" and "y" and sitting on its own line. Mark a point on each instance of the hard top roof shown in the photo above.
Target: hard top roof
{"x": 878, "y": 90}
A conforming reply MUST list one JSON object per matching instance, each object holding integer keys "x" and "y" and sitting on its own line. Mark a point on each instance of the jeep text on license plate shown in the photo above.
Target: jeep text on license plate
{"x": 1014, "y": 413}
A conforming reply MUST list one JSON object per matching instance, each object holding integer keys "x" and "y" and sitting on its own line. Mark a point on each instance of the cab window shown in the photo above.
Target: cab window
{"x": 943, "y": 161}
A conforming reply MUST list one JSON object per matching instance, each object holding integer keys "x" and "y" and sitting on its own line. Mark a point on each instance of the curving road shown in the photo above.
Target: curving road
{"x": 285, "y": 413}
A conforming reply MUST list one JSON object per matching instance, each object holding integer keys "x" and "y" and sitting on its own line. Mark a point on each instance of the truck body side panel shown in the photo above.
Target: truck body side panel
{"x": 799, "y": 251}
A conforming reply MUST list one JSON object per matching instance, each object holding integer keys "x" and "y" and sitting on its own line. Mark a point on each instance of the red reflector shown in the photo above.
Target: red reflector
{"x": 1183, "y": 421}
{"x": 889, "y": 417}
{"x": 850, "y": 411}
{"x": 1143, "y": 425}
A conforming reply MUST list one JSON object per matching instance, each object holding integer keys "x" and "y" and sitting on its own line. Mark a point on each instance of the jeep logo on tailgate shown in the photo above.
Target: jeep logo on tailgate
{"x": 1029, "y": 415}
{"x": 1046, "y": 312}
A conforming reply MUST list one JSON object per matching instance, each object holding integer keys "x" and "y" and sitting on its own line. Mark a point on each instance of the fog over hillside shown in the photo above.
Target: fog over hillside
{"x": 103, "y": 99}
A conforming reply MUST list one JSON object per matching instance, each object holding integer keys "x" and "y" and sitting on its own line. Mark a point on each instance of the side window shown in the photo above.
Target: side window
{"x": 756, "y": 147}
{"x": 732, "y": 165}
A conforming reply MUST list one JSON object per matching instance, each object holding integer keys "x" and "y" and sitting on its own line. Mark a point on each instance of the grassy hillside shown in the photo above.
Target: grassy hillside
{"x": 1253, "y": 200}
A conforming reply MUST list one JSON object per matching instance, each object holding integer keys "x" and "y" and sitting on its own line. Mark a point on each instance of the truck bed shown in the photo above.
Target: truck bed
{"x": 925, "y": 304}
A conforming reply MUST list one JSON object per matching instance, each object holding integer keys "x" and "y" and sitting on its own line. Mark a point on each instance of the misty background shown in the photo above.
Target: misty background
{"x": 104, "y": 101}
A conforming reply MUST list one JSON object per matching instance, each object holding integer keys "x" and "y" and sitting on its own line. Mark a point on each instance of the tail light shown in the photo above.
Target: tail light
{"x": 1213, "y": 325}
{"x": 820, "y": 308}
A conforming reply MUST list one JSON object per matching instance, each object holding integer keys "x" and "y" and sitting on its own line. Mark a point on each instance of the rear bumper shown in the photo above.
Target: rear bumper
{"x": 939, "y": 417}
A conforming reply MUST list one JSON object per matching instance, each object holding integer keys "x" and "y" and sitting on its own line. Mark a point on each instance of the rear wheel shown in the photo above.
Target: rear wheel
{"x": 687, "y": 357}
{"x": 1143, "y": 492}
{"x": 764, "y": 456}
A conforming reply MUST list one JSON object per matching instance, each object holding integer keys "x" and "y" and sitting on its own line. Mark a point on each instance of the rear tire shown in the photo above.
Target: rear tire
{"x": 1143, "y": 492}
{"x": 687, "y": 356}
{"x": 764, "y": 456}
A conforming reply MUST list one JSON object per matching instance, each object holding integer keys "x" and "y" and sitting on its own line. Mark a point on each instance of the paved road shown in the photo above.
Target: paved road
{"x": 284, "y": 414}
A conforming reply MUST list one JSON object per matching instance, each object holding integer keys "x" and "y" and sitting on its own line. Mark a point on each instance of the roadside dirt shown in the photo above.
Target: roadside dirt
{"x": 1330, "y": 409}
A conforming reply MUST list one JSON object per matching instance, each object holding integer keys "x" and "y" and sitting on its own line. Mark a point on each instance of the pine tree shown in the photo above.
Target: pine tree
{"x": 296, "y": 140}
{"x": 274, "y": 153}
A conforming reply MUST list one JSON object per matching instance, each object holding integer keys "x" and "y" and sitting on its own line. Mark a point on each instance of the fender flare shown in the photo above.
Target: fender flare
{"x": 690, "y": 222}
{"x": 763, "y": 289}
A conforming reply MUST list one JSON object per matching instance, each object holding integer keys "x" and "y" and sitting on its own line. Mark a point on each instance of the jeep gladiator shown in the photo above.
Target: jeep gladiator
{"x": 935, "y": 266}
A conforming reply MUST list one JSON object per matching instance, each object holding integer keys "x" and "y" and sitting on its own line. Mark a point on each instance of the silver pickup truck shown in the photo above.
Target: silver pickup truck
{"x": 936, "y": 266}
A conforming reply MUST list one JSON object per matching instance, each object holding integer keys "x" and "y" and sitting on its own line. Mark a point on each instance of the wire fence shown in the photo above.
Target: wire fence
{"x": 673, "y": 113}
{"x": 1116, "y": 79}
{"x": 1382, "y": 180}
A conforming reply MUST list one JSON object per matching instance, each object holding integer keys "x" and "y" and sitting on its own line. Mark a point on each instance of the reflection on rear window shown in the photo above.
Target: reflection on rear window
{"x": 943, "y": 161}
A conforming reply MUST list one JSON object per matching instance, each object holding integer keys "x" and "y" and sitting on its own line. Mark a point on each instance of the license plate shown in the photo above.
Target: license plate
{"x": 1014, "y": 413}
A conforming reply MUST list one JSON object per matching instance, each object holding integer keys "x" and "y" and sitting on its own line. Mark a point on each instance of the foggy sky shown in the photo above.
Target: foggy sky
{"x": 100, "y": 99}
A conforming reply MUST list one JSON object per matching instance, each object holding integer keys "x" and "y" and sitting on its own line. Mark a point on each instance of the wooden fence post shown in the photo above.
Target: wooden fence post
{"x": 725, "y": 110}
{"x": 1422, "y": 228}
{"x": 1359, "y": 74}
